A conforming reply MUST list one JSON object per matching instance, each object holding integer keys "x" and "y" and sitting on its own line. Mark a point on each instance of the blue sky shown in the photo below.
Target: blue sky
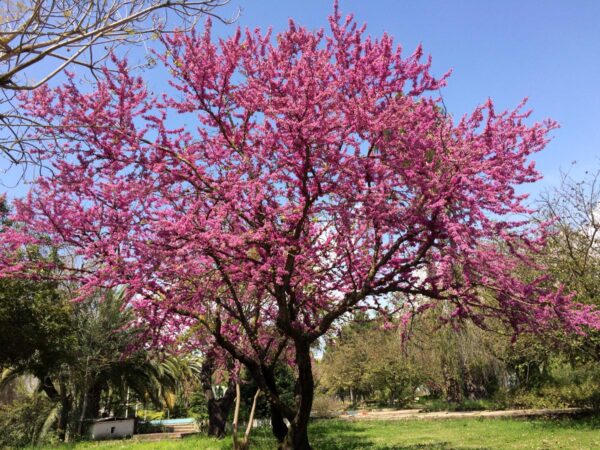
{"x": 547, "y": 50}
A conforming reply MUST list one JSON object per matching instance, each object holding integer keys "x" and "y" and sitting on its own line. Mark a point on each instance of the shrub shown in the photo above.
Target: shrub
{"x": 27, "y": 421}
{"x": 147, "y": 427}
{"x": 325, "y": 406}
{"x": 199, "y": 410}
{"x": 577, "y": 386}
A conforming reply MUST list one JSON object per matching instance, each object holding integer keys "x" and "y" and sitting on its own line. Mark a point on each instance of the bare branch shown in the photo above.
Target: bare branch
{"x": 42, "y": 38}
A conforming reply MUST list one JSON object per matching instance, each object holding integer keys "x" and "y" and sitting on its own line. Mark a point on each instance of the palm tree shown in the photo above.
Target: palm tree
{"x": 98, "y": 370}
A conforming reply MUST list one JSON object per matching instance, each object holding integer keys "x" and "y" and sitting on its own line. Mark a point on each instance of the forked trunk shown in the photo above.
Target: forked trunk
{"x": 217, "y": 419}
{"x": 243, "y": 443}
{"x": 218, "y": 408}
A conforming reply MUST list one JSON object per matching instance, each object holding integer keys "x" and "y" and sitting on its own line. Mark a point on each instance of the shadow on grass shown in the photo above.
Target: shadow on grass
{"x": 333, "y": 435}
{"x": 589, "y": 420}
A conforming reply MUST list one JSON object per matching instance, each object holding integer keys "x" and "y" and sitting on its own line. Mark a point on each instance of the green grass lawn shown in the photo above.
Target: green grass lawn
{"x": 583, "y": 433}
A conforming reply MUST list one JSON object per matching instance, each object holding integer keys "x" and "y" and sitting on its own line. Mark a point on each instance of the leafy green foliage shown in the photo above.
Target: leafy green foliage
{"x": 199, "y": 408}
{"x": 285, "y": 381}
{"x": 23, "y": 422}
{"x": 369, "y": 363}
{"x": 35, "y": 325}
{"x": 561, "y": 369}
{"x": 565, "y": 385}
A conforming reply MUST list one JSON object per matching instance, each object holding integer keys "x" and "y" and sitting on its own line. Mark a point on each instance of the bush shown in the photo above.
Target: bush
{"x": 27, "y": 422}
{"x": 436, "y": 404}
{"x": 147, "y": 427}
{"x": 568, "y": 387}
{"x": 325, "y": 406}
{"x": 199, "y": 410}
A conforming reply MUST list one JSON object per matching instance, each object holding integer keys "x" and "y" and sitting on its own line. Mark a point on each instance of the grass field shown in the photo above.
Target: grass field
{"x": 582, "y": 433}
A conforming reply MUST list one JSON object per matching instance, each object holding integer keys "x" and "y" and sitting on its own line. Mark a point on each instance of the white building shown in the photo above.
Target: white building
{"x": 111, "y": 428}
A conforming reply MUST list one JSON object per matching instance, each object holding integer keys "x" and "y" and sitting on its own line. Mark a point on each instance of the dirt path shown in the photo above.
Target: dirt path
{"x": 404, "y": 414}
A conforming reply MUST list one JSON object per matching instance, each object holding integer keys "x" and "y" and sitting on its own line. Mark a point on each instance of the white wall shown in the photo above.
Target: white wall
{"x": 111, "y": 429}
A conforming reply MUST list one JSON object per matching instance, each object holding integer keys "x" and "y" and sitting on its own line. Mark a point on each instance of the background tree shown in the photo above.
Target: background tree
{"x": 460, "y": 364}
{"x": 371, "y": 363}
{"x": 35, "y": 335}
{"x": 41, "y": 38}
{"x": 83, "y": 355}
{"x": 320, "y": 178}
{"x": 573, "y": 251}
{"x": 568, "y": 371}
{"x": 35, "y": 325}
{"x": 365, "y": 362}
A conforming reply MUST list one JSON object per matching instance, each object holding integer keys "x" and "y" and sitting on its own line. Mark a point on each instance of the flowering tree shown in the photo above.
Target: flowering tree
{"x": 284, "y": 185}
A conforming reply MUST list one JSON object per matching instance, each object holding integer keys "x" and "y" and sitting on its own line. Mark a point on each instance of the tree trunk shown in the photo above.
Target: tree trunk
{"x": 49, "y": 389}
{"x": 65, "y": 404}
{"x": 93, "y": 404}
{"x": 84, "y": 406}
{"x": 65, "y": 408}
{"x": 237, "y": 444}
{"x": 297, "y": 436}
{"x": 278, "y": 426}
{"x": 218, "y": 409}
{"x": 218, "y": 412}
